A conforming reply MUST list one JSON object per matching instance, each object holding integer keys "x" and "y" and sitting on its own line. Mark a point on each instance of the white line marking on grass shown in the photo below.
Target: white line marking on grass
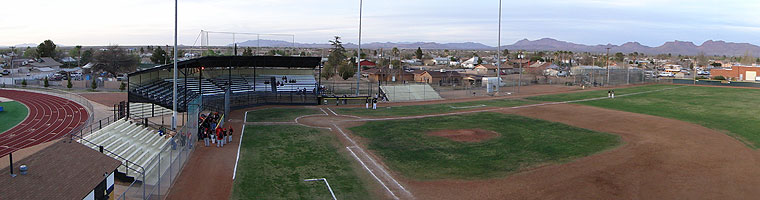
{"x": 240, "y": 144}
{"x": 372, "y": 160}
{"x": 372, "y": 173}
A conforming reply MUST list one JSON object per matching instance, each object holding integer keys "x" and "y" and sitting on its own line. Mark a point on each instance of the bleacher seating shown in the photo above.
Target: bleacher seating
{"x": 131, "y": 141}
{"x": 160, "y": 91}
{"x": 146, "y": 110}
{"x": 262, "y": 83}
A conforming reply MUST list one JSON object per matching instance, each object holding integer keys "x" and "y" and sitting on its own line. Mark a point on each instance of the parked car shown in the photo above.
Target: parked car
{"x": 666, "y": 74}
{"x": 6, "y": 72}
{"x": 562, "y": 74}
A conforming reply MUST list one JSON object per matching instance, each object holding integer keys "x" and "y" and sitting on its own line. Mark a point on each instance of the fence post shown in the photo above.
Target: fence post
{"x": 159, "y": 173}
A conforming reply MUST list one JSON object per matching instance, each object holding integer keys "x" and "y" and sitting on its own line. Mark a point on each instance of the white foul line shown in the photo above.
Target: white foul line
{"x": 240, "y": 143}
{"x": 372, "y": 173}
{"x": 372, "y": 160}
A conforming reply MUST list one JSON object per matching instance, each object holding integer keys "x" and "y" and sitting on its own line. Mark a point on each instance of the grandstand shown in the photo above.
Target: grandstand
{"x": 410, "y": 92}
{"x": 130, "y": 141}
{"x": 250, "y": 80}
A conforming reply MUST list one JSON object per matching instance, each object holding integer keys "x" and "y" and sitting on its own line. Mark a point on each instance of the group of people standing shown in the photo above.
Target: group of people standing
{"x": 372, "y": 101}
{"x": 212, "y": 132}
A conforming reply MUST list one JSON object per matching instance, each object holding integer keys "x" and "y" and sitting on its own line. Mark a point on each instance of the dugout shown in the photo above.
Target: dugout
{"x": 229, "y": 82}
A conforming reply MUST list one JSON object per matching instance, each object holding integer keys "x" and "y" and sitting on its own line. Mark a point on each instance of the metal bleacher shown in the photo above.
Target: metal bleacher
{"x": 262, "y": 83}
{"x": 131, "y": 141}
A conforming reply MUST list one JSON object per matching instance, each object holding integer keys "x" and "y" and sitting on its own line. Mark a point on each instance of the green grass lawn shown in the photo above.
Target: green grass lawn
{"x": 274, "y": 161}
{"x": 732, "y": 110}
{"x": 429, "y": 108}
{"x": 524, "y": 143}
{"x": 279, "y": 114}
{"x": 14, "y": 113}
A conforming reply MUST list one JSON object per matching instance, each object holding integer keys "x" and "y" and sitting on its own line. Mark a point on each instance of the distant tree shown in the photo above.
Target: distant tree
{"x": 747, "y": 59}
{"x": 181, "y": 53}
{"x": 396, "y": 63}
{"x": 716, "y": 65}
{"x": 142, "y": 51}
{"x": 395, "y": 52}
{"x": 86, "y": 56}
{"x": 94, "y": 84}
{"x": 347, "y": 70}
{"x": 719, "y": 78}
{"x": 68, "y": 80}
{"x": 619, "y": 56}
{"x": 702, "y": 59}
{"x": 505, "y": 53}
{"x": 76, "y": 51}
{"x": 123, "y": 86}
{"x": 45, "y": 83}
{"x": 23, "y": 83}
{"x": 374, "y": 52}
{"x": 115, "y": 60}
{"x": 159, "y": 56}
{"x": 30, "y": 53}
{"x": 46, "y": 49}
{"x": 336, "y": 58}
{"x": 418, "y": 53}
{"x": 247, "y": 52}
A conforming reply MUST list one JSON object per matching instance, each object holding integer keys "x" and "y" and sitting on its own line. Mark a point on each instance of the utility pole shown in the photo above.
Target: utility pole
{"x": 498, "y": 54}
{"x": 607, "y": 60}
{"x": 359, "y": 52}
{"x": 174, "y": 95}
{"x": 13, "y": 54}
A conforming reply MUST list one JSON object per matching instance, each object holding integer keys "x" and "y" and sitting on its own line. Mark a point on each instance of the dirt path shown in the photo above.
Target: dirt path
{"x": 208, "y": 173}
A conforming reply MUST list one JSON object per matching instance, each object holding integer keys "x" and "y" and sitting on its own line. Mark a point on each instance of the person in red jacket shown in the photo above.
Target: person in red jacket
{"x": 219, "y": 137}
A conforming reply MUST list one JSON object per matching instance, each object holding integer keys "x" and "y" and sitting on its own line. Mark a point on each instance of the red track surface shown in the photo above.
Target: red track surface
{"x": 50, "y": 118}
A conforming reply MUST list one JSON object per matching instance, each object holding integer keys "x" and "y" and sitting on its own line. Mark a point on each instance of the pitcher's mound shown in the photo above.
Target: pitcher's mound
{"x": 465, "y": 135}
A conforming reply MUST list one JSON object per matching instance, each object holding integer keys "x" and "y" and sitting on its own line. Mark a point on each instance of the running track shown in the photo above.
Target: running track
{"x": 50, "y": 118}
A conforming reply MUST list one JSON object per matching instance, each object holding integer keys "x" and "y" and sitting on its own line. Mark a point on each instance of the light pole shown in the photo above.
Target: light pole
{"x": 174, "y": 95}
{"x": 359, "y": 52}
{"x": 519, "y": 78}
{"x": 498, "y": 54}
{"x": 607, "y": 60}
{"x": 326, "y": 183}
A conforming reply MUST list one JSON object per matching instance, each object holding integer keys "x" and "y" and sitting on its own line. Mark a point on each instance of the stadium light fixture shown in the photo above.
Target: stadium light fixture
{"x": 326, "y": 183}
{"x": 174, "y": 93}
{"x": 498, "y": 54}
{"x": 359, "y": 52}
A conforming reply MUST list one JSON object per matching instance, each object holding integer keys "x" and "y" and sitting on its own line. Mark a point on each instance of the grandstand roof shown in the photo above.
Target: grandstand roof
{"x": 64, "y": 170}
{"x": 241, "y": 61}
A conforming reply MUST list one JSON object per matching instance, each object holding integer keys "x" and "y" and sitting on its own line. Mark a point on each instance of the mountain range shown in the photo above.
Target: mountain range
{"x": 709, "y": 47}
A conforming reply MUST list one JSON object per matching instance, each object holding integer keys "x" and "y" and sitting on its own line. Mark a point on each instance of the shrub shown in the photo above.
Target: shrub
{"x": 123, "y": 86}
{"x": 46, "y": 84}
{"x": 23, "y": 83}
{"x": 94, "y": 84}
{"x": 719, "y": 78}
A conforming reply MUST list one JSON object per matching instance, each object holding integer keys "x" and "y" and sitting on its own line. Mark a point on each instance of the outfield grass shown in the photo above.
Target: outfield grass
{"x": 14, "y": 113}
{"x": 524, "y": 143}
{"x": 274, "y": 161}
{"x": 279, "y": 114}
{"x": 430, "y": 108}
{"x": 732, "y": 110}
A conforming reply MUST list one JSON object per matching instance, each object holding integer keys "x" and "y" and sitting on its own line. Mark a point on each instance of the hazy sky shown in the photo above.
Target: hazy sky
{"x": 132, "y": 22}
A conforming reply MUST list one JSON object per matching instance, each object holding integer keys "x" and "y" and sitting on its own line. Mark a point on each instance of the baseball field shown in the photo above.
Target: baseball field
{"x": 697, "y": 142}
